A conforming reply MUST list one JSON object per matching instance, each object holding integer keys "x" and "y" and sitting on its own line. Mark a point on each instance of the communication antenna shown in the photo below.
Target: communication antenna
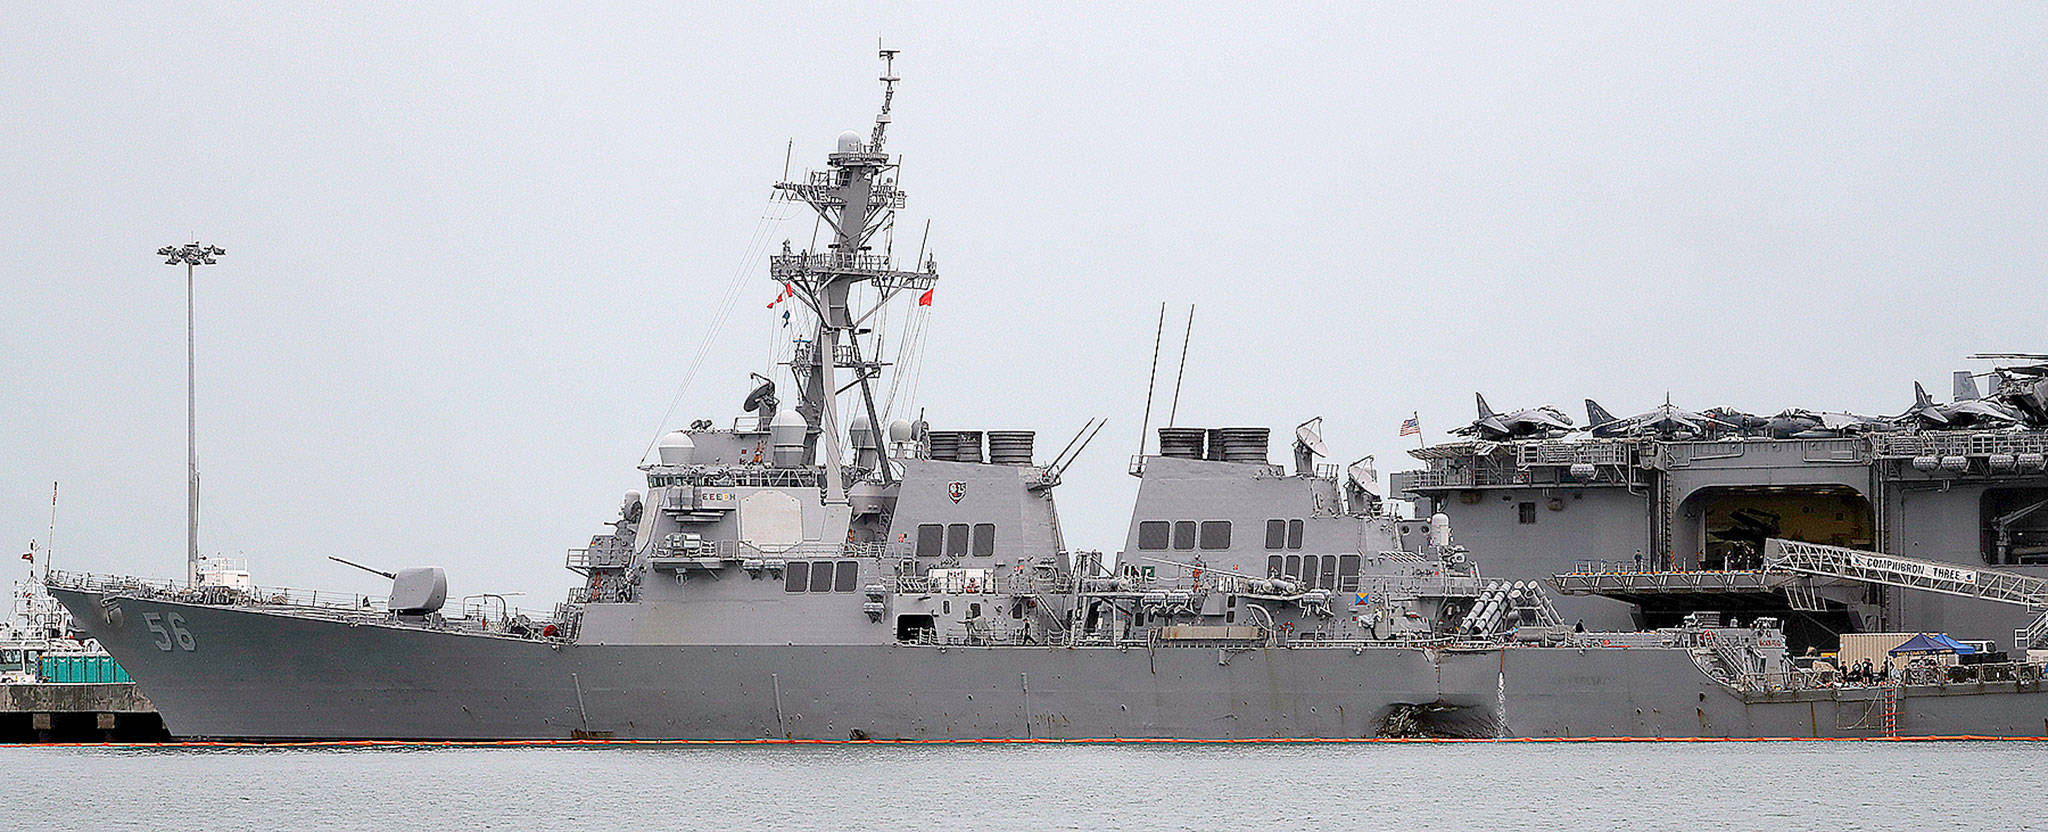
{"x": 1308, "y": 444}
{"x": 889, "y": 80}
{"x": 1088, "y": 430}
{"x": 50, "y": 543}
{"x": 1175, "y": 410}
{"x": 1150, "y": 379}
{"x": 1364, "y": 484}
{"x": 1059, "y": 467}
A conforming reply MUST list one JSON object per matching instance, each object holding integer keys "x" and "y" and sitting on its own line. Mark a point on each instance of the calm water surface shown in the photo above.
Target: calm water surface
{"x": 1556, "y": 787}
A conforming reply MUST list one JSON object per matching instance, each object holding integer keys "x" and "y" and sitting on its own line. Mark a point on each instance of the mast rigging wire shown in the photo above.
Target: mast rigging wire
{"x": 755, "y": 246}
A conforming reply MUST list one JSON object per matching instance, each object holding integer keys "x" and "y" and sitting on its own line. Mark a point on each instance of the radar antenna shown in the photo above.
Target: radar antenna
{"x": 889, "y": 80}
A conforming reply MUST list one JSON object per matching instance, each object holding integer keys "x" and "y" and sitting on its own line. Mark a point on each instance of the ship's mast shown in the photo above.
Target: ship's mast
{"x": 856, "y": 195}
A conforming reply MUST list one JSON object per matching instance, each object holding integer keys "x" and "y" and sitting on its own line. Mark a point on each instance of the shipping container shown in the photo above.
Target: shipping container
{"x": 82, "y": 670}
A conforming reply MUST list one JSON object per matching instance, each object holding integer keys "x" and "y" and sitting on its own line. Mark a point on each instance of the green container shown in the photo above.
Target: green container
{"x": 67, "y": 670}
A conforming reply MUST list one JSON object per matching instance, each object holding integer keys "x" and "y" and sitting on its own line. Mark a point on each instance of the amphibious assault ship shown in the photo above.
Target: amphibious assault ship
{"x": 1646, "y": 519}
{"x": 830, "y": 569}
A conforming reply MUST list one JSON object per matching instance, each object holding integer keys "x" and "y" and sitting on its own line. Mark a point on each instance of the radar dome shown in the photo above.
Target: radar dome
{"x": 786, "y": 434}
{"x": 862, "y": 432}
{"x": 788, "y": 419}
{"x": 900, "y": 431}
{"x": 675, "y": 448}
{"x": 1440, "y": 530}
{"x": 849, "y": 142}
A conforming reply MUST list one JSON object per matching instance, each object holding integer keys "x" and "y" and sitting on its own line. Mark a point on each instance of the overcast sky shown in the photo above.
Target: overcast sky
{"x": 472, "y": 251}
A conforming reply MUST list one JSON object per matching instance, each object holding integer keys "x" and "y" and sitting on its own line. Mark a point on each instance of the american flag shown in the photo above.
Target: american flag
{"x": 1411, "y": 426}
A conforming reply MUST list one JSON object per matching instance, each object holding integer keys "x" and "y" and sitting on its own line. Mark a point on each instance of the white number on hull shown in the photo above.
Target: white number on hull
{"x": 176, "y": 634}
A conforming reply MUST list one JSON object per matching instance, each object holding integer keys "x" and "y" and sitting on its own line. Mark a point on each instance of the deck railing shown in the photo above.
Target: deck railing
{"x": 325, "y": 604}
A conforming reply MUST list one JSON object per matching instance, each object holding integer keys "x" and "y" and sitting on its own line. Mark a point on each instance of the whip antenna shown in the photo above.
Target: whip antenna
{"x": 1175, "y": 410}
{"x": 1146, "y": 424}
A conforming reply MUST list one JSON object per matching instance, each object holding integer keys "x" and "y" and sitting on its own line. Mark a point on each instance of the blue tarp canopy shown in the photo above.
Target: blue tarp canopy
{"x": 1932, "y": 643}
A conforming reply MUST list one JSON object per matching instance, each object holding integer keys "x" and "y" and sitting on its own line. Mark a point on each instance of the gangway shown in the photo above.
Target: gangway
{"x": 1912, "y": 573}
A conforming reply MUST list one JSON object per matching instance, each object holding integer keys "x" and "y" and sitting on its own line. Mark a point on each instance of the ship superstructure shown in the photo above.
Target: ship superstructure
{"x": 1675, "y": 496}
{"x": 791, "y": 525}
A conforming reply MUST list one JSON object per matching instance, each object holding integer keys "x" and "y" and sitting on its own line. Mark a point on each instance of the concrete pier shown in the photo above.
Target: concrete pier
{"x": 110, "y": 712}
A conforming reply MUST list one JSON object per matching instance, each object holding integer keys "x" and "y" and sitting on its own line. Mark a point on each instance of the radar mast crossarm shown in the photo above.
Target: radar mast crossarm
{"x": 888, "y": 290}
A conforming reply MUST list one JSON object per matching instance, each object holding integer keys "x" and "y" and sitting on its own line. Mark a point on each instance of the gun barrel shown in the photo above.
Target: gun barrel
{"x": 362, "y": 567}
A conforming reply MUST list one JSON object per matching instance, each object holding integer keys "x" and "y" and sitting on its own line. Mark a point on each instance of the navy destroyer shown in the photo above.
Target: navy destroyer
{"x": 830, "y": 569}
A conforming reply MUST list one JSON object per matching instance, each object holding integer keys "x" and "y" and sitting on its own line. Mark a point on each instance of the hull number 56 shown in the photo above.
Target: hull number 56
{"x": 175, "y": 634}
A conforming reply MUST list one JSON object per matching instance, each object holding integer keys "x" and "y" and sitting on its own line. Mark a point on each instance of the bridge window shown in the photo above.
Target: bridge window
{"x": 1184, "y": 534}
{"x": 796, "y": 576}
{"x": 848, "y": 577}
{"x": 956, "y": 540}
{"x": 1152, "y": 534}
{"x": 1273, "y": 565}
{"x": 984, "y": 539}
{"x": 821, "y": 576}
{"x": 1525, "y": 513}
{"x": 1294, "y": 534}
{"x": 1347, "y": 573}
{"x": 1215, "y": 534}
{"x": 1329, "y": 579}
{"x": 931, "y": 537}
{"x": 1276, "y": 534}
{"x": 1308, "y": 572}
{"x": 1293, "y": 568}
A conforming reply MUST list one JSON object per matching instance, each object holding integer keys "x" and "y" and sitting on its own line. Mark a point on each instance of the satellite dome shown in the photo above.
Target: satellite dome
{"x": 900, "y": 431}
{"x": 786, "y": 435}
{"x": 862, "y": 432}
{"x": 788, "y": 429}
{"x": 675, "y": 448}
{"x": 849, "y": 142}
{"x": 632, "y": 498}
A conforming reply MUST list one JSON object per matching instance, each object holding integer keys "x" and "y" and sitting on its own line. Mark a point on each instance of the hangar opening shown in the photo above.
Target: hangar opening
{"x": 2015, "y": 526}
{"x": 1734, "y": 521}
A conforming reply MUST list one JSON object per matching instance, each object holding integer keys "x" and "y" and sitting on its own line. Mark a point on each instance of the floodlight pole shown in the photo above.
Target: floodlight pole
{"x": 192, "y": 255}
{"x": 191, "y": 439}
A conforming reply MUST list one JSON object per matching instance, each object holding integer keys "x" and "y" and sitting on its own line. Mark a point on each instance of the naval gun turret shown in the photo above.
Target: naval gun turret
{"x": 415, "y": 591}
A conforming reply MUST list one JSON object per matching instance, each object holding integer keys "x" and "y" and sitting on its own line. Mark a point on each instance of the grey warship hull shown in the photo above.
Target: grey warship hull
{"x": 262, "y": 676}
